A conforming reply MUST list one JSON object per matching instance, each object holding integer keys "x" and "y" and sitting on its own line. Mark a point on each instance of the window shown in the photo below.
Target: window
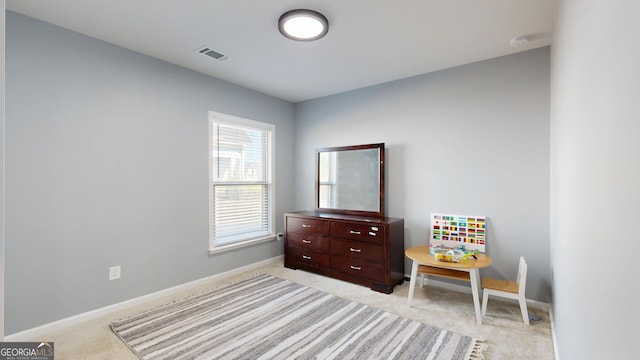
{"x": 327, "y": 186}
{"x": 241, "y": 185}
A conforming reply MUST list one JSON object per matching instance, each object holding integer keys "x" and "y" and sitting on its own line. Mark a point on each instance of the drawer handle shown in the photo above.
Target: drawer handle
{"x": 374, "y": 228}
{"x": 355, "y": 250}
{"x": 306, "y": 226}
{"x": 372, "y": 233}
{"x": 354, "y": 232}
{"x": 306, "y": 241}
{"x": 356, "y": 268}
{"x": 306, "y": 257}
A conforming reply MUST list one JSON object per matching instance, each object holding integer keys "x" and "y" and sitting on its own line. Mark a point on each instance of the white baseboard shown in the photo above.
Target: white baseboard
{"x": 553, "y": 334}
{"x": 534, "y": 304}
{"x": 37, "y": 332}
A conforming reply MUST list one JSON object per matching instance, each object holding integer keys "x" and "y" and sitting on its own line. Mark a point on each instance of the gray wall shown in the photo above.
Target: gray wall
{"x": 472, "y": 140}
{"x": 107, "y": 164}
{"x": 2, "y": 32}
{"x": 595, "y": 175}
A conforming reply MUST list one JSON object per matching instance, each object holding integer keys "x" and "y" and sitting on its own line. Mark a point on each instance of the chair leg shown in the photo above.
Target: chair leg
{"x": 485, "y": 299}
{"x": 523, "y": 309}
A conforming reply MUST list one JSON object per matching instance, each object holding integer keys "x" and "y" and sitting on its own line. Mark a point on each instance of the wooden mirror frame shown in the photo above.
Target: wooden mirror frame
{"x": 381, "y": 189}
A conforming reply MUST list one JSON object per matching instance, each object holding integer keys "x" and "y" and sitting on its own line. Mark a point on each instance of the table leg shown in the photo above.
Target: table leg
{"x": 475, "y": 280}
{"x": 412, "y": 281}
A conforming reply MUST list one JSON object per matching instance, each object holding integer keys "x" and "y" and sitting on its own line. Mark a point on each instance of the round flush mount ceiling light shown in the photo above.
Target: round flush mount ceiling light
{"x": 303, "y": 25}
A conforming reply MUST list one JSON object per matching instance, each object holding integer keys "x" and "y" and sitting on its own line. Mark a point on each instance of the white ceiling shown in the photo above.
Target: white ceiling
{"x": 369, "y": 41}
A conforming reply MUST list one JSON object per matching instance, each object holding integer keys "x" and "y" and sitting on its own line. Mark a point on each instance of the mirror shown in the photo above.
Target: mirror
{"x": 350, "y": 180}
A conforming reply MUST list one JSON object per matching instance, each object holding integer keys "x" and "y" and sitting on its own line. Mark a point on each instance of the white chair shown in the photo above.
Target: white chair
{"x": 508, "y": 289}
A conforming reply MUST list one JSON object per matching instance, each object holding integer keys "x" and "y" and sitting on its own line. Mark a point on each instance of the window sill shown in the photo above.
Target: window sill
{"x": 230, "y": 247}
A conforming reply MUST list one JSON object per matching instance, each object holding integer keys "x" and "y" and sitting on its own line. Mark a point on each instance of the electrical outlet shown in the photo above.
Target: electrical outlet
{"x": 114, "y": 272}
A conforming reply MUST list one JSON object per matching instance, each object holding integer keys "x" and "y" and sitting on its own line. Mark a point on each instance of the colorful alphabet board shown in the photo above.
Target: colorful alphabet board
{"x": 454, "y": 231}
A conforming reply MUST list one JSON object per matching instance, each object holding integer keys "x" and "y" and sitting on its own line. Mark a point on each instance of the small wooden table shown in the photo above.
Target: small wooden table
{"x": 468, "y": 270}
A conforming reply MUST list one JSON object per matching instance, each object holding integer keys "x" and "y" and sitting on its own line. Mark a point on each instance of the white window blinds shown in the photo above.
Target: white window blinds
{"x": 327, "y": 186}
{"x": 241, "y": 180}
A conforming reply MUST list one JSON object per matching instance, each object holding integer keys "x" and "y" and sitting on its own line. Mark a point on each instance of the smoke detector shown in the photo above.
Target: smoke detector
{"x": 519, "y": 41}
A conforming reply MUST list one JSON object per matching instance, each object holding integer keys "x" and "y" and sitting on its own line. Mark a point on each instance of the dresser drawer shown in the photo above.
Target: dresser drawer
{"x": 308, "y": 241}
{"x": 358, "y": 267}
{"x": 307, "y": 226}
{"x": 309, "y": 257}
{"x": 363, "y": 232}
{"x": 358, "y": 249}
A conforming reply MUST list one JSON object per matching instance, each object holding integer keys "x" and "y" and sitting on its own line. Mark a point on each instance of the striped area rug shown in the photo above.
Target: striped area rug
{"x": 265, "y": 317}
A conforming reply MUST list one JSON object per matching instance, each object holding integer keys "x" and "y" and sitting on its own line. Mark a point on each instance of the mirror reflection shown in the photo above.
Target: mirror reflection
{"x": 349, "y": 178}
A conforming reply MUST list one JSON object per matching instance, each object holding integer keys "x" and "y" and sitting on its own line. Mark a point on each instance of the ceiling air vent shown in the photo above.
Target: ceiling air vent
{"x": 212, "y": 53}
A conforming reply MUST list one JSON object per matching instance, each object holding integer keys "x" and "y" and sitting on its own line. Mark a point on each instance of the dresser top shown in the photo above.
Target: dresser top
{"x": 331, "y": 216}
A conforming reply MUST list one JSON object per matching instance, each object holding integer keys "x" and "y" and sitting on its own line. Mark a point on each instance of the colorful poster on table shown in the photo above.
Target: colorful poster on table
{"x": 454, "y": 231}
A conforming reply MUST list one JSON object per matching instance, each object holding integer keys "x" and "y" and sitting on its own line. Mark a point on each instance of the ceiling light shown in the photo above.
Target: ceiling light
{"x": 303, "y": 25}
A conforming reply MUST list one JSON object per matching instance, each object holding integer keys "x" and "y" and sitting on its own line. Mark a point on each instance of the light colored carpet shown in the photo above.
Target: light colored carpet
{"x": 265, "y": 317}
{"x": 505, "y": 333}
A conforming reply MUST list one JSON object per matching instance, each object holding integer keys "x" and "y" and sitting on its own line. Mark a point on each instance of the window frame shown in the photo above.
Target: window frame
{"x": 216, "y": 117}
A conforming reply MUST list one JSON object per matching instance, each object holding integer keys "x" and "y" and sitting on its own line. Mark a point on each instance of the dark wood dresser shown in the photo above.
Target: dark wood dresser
{"x": 359, "y": 249}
